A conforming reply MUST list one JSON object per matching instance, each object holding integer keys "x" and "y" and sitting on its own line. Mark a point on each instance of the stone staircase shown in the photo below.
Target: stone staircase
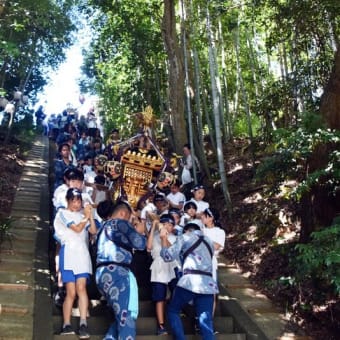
{"x": 101, "y": 317}
{"x": 22, "y": 257}
{"x": 26, "y": 308}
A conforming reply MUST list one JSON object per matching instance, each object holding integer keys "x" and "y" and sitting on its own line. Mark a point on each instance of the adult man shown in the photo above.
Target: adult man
{"x": 196, "y": 284}
{"x": 187, "y": 176}
{"x": 114, "y": 279}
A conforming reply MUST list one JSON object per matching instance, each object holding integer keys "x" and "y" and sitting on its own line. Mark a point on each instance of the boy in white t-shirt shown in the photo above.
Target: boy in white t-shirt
{"x": 176, "y": 198}
{"x": 163, "y": 274}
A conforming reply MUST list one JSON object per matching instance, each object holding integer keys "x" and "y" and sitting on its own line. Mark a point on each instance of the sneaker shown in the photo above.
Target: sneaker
{"x": 67, "y": 330}
{"x": 83, "y": 332}
{"x": 161, "y": 331}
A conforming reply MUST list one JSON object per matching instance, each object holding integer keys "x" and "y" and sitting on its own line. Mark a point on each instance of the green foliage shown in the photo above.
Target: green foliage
{"x": 312, "y": 121}
{"x": 5, "y": 226}
{"x": 124, "y": 62}
{"x": 320, "y": 259}
{"x": 290, "y": 159}
{"x": 328, "y": 177}
{"x": 33, "y": 36}
{"x": 241, "y": 128}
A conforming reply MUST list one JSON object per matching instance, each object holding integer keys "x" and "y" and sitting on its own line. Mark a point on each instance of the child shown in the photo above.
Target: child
{"x": 176, "y": 198}
{"x": 216, "y": 234}
{"x": 74, "y": 178}
{"x": 189, "y": 216}
{"x": 88, "y": 165}
{"x": 71, "y": 229}
{"x": 62, "y": 163}
{"x": 198, "y": 192}
{"x": 148, "y": 208}
{"x": 100, "y": 190}
{"x": 162, "y": 273}
{"x": 176, "y": 214}
{"x": 213, "y": 230}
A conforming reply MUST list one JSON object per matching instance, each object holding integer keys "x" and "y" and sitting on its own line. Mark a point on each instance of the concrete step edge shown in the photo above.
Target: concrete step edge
{"x": 13, "y": 310}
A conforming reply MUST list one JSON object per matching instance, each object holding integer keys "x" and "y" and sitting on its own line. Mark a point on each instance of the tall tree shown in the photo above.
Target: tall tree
{"x": 330, "y": 101}
{"x": 176, "y": 74}
{"x": 216, "y": 109}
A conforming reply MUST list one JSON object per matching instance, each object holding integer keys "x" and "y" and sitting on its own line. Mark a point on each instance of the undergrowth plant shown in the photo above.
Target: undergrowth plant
{"x": 292, "y": 149}
{"x": 5, "y": 233}
{"x": 320, "y": 259}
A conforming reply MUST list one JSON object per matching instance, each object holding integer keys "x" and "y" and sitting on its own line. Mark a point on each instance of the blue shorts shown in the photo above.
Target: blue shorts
{"x": 68, "y": 275}
{"x": 159, "y": 291}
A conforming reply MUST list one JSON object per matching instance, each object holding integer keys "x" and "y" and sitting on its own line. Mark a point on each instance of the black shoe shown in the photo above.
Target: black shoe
{"x": 67, "y": 330}
{"x": 83, "y": 332}
{"x": 161, "y": 330}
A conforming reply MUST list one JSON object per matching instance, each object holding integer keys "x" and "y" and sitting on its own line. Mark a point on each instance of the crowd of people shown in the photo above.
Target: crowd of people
{"x": 100, "y": 235}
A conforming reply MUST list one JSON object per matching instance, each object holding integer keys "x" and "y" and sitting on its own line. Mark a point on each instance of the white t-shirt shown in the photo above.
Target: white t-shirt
{"x": 89, "y": 176}
{"x": 201, "y": 205}
{"x": 76, "y": 254}
{"x": 185, "y": 219}
{"x": 150, "y": 207}
{"x": 176, "y": 199}
{"x": 59, "y": 196}
{"x": 186, "y": 176}
{"x": 217, "y": 235}
{"x": 87, "y": 168}
{"x": 161, "y": 271}
{"x": 99, "y": 195}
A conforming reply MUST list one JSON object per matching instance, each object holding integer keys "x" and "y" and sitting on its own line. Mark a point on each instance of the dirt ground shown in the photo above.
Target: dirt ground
{"x": 261, "y": 239}
{"x": 11, "y": 165}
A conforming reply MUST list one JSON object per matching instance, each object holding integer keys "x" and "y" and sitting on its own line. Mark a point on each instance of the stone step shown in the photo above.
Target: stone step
{"x": 24, "y": 210}
{"x": 13, "y": 247}
{"x": 23, "y": 235}
{"x": 16, "y": 278}
{"x": 30, "y": 184}
{"x": 145, "y": 325}
{"x": 23, "y": 254}
{"x": 35, "y": 163}
{"x": 13, "y": 286}
{"x": 24, "y": 188}
{"x": 19, "y": 298}
{"x": 22, "y": 225}
{"x": 33, "y": 200}
{"x": 236, "y": 336}
{"x": 14, "y": 327}
{"x": 146, "y": 309}
{"x": 12, "y": 266}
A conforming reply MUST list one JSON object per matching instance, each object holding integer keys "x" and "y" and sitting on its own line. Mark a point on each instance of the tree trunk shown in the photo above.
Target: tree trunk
{"x": 330, "y": 100}
{"x": 228, "y": 125}
{"x": 176, "y": 74}
{"x": 243, "y": 90}
{"x": 216, "y": 108}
